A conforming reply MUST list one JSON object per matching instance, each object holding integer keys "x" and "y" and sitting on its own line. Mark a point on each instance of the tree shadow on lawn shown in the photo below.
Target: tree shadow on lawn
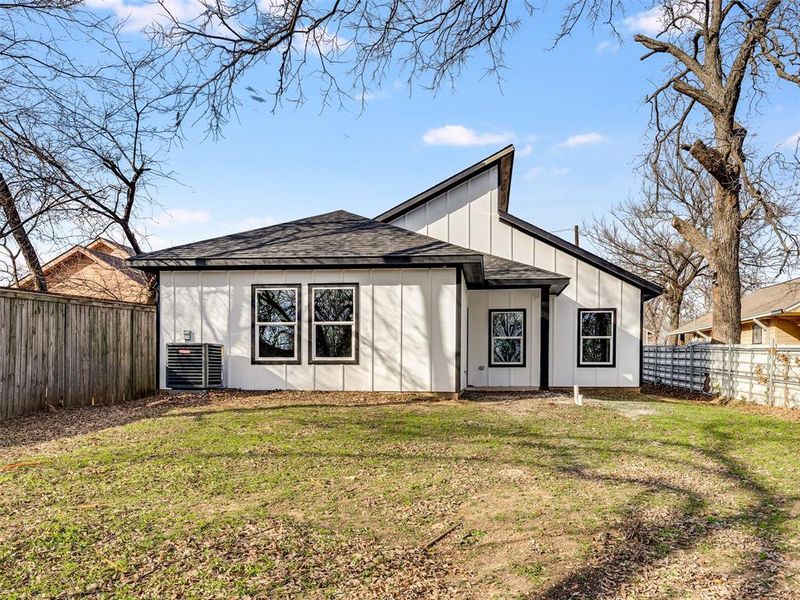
{"x": 639, "y": 544}
{"x": 640, "y": 541}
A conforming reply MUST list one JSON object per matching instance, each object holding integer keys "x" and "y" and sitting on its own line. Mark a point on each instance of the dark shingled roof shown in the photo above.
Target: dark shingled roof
{"x": 499, "y": 272}
{"x": 341, "y": 238}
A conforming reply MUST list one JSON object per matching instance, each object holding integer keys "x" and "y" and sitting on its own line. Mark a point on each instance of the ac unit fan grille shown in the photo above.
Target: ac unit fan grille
{"x": 194, "y": 366}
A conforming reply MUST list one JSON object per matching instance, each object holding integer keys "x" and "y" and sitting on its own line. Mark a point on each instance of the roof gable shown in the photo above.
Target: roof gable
{"x": 74, "y": 259}
{"x": 108, "y": 246}
{"x": 503, "y": 160}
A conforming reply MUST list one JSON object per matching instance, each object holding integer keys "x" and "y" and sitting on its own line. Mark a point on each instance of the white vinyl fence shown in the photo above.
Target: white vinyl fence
{"x": 763, "y": 375}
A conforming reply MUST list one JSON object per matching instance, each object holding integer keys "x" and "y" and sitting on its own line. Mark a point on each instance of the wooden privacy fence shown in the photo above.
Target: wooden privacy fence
{"x": 764, "y": 375}
{"x": 64, "y": 351}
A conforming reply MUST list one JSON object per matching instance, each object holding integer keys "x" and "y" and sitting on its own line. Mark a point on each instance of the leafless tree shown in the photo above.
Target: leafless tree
{"x": 346, "y": 47}
{"x": 722, "y": 57}
{"x": 637, "y": 235}
{"x": 30, "y": 55}
{"x": 98, "y": 140}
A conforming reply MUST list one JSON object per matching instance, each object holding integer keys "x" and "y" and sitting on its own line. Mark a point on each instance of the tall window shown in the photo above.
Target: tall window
{"x": 507, "y": 338}
{"x": 758, "y": 334}
{"x": 597, "y": 337}
{"x": 276, "y": 324}
{"x": 332, "y": 320}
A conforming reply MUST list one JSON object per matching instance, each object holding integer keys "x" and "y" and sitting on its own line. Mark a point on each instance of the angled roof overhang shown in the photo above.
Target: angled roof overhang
{"x": 504, "y": 160}
{"x": 649, "y": 290}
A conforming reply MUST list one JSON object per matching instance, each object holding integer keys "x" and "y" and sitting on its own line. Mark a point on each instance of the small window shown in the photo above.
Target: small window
{"x": 597, "y": 337}
{"x": 276, "y": 319}
{"x": 758, "y": 334}
{"x": 507, "y": 338}
{"x": 332, "y": 320}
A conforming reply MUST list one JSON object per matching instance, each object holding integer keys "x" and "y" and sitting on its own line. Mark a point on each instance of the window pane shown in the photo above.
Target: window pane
{"x": 596, "y": 323}
{"x": 334, "y": 341}
{"x": 507, "y": 324}
{"x": 596, "y": 351}
{"x": 507, "y": 351}
{"x": 333, "y": 304}
{"x": 276, "y": 306}
{"x": 757, "y": 334}
{"x": 276, "y": 341}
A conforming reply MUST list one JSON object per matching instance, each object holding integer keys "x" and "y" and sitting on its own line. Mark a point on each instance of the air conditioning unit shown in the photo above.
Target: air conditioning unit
{"x": 194, "y": 366}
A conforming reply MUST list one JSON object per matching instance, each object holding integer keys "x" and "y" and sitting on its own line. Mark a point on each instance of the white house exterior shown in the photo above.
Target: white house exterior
{"x": 469, "y": 296}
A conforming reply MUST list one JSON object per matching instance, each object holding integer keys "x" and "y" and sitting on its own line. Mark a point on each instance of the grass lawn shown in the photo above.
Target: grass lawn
{"x": 338, "y": 495}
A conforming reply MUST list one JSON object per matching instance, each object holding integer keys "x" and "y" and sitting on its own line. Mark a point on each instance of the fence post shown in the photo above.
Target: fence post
{"x": 671, "y": 365}
{"x": 771, "y": 378}
{"x": 691, "y": 368}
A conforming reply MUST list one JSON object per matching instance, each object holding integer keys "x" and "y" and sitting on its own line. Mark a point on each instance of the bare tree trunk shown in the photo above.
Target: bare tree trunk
{"x": 674, "y": 304}
{"x": 21, "y": 236}
{"x": 726, "y": 299}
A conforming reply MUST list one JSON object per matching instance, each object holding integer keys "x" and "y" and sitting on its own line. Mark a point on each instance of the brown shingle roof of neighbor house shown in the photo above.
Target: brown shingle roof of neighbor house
{"x": 90, "y": 250}
{"x": 768, "y": 301}
{"x": 341, "y": 238}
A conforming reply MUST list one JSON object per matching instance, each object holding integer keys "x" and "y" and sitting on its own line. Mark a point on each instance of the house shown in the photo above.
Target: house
{"x": 770, "y": 315}
{"x": 96, "y": 270}
{"x": 444, "y": 291}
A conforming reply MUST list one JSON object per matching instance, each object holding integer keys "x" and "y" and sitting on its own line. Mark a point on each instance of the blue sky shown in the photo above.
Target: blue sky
{"x": 575, "y": 114}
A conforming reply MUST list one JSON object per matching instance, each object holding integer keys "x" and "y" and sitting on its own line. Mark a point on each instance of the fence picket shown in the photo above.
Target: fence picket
{"x": 717, "y": 369}
{"x": 68, "y": 351}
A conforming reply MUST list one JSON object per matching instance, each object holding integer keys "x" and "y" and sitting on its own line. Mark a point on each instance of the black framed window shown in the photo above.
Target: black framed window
{"x": 758, "y": 334}
{"x": 333, "y": 323}
{"x": 507, "y": 337}
{"x": 275, "y": 324}
{"x": 597, "y": 337}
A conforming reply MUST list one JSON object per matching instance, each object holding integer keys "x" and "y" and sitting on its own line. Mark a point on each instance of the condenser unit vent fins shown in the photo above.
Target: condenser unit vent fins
{"x": 194, "y": 366}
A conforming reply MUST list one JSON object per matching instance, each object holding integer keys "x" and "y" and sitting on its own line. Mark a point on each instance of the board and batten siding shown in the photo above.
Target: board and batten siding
{"x": 480, "y": 374}
{"x": 467, "y": 215}
{"x": 406, "y": 327}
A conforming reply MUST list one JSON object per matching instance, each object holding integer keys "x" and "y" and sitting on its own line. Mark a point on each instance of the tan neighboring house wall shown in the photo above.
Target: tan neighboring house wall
{"x": 784, "y": 330}
{"x": 97, "y": 270}
{"x": 776, "y": 307}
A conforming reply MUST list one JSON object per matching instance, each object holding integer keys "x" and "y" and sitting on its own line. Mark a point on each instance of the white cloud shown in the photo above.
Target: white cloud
{"x": 180, "y": 216}
{"x": 247, "y": 223}
{"x": 458, "y": 135}
{"x": 181, "y": 226}
{"x": 139, "y": 15}
{"x": 792, "y": 142}
{"x": 582, "y": 139}
{"x": 526, "y": 150}
{"x": 541, "y": 172}
{"x": 655, "y": 20}
{"x": 606, "y": 47}
{"x": 649, "y": 21}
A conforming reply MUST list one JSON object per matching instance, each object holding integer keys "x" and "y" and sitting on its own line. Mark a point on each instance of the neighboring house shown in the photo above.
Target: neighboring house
{"x": 96, "y": 270}
{"x": 770, "y": 315}
{"x": 444, "y": 291}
